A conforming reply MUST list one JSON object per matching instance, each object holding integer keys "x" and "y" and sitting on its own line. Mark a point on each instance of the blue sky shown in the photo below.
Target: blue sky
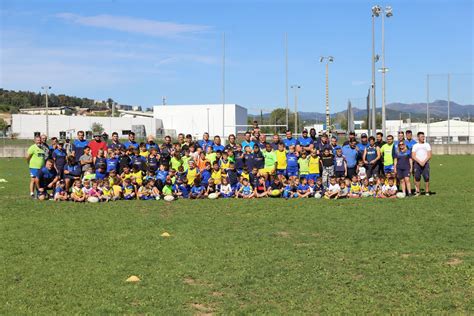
{"x": 138, "y": 51}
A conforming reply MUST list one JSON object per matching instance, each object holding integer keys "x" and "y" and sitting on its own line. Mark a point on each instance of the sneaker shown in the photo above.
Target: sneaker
{"x": 417, "y": 193}
{"x": 32, "y": 195}
{"x": 427, "y": 194}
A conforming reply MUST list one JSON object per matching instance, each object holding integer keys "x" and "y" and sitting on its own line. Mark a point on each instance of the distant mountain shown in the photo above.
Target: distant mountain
{"x": 417, "y": 111}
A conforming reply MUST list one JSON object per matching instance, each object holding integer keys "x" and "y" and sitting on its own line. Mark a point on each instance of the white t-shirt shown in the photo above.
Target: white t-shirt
{"x": 421, "y": 151}
{"x": 362, "y": 173}
{"x": 334, "y": 188}
{"x": 387, "y": 188}
{"x": 225, "y": 189}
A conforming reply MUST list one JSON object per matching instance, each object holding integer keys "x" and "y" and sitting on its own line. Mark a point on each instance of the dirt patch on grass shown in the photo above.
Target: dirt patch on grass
{"x": 202, "y": 309}
{"x": 358, "y": 277}
{"x": 192, "y": 281}
{"x": 283, "y": 234}
{"x": 217, "y": 294}
{"x": 406, "y": 255}
{"x": 454, "y": 262}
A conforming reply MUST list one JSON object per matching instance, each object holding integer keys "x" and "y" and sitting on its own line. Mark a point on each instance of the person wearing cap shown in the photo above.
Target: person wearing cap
{"x": 371, "y": 158}
{"x": 306, "y": 142}
{"x": 96, "y": 144}
{"x": 59, "y": 157}
{"x": 352, "y": 136}
{"x": 362, "y": 145}
{"x": 131, "y": 141}
{"x": 351, "y": 152}
{"x": 150, "y": 143}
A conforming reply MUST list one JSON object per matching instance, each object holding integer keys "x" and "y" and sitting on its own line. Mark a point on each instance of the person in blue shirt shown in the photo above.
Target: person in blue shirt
{"x": 197, "y": 190}
{"x": 161, "y": 175}
{"x": 248, "y": 158}
{"x": 351, "y": 152}
{"x": 46, "y": 179}
{"x": 364, "y": 143}
{"x": 247, "y": 142}
{"x": 205, "y": 142}
{"x": 131, "y": 143}
{"x": 289, "y": 140}
{"x": 303, "y": 188}
{"x": 115, "y": 144}
{"x": 101, "y": 172}
{"x": 59, "y": 157}
{"x": 258, "y": 158}
{"x": 217, "y": 146}
{"x": 137, "y": 160}
{"x": 112, "y": 162}
{"x": 292, "y": 163}
{"x": 79, "y": 144}
{"x": 206, "y": 174}
{"x": 409, "y": 141}
{"x": 72, "y": 171}
{"x": 151, "y": 143}
{"x": 305, "y": 142}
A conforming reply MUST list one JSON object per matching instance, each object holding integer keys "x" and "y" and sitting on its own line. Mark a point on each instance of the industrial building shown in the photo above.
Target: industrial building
{"x": 199, "y": 118}
{"x": 26, "y": 126}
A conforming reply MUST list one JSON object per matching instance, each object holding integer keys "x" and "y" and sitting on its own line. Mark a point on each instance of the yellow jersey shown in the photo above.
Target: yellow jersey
{"x": 217, "y": 176}
{"x": 138, "y": 177}
{"x": 281, "y": 159}
{"x": 192, "y": 173}
{"x": 313, "y": 164}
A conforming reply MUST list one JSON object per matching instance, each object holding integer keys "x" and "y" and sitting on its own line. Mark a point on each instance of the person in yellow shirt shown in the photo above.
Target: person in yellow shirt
{"x": 143, "y": 151}
{"x": 137, "y": 176}
{"x": 281, "y": 163}
{"x": 216, "y": 173}
{"x": 314, "y": 166}
{"x": 193, "y": 172}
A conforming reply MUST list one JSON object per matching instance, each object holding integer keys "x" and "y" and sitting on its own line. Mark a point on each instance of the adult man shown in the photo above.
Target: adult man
{"x": 79, "y": 144}
{"x": 231, "y": 144}
{"x": 275, "y": 141}
{"x": 96, "y": 144}
{"x": 379, "y": 139}
{"x": 45, "y": 146}
{"x": 151, "y": 143}
{"x": 333, "y": 144}
{"x": 46, "y": 179}
{"x": 306, "y": 142}
{"x": 409, "y": 141}
{"x": 131, "y": 141}
{"x": 421, "y": 155}
{"x": 166, "y": 146}
{"x": 352, "y": 136}
{"x": 371, "y": 157}
{"x": 217, "y": 146}
{"x": 388, "y": 152}
{"x": 362, "y": 145}
{"x": 262, "y": 141}
{"x": 188, "y": 143}
{"x": 247, "y": 141}
{"x": 350, "y": 152}
{"x": 116, "y": 144}
{"x": 205, "y": 142}
{"x": 323, "y": 144}
{"x": 35, "y": 158}
{"x": 289, "y": 140}
{"x": 313, "y": 135}
{"x": 400, "y": 138}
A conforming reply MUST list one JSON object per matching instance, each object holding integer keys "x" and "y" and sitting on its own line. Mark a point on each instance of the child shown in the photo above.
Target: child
{"x": 372, "y": 187}
{"x": 389, "y": 190}
{"x": 291, "y": 189}
{"x": 318, "y": 188}
{"x": 245, "y": 190}
{"x": 128, "y": 189}
{"x": 225, "y": 190}
{"x": 107, "y": 191}
{"x": 144, "y": 151}
{"x": 94, "y": 191}
{"x": 100, "y": 160}
{"x": 345, "y": 189}
{"x": 281, "y": 159}
{"x": 224, "y": 161}
{"x": 261, "y": 189}
{"x": 152, "y": 161}
{"x": 232, "y": 174}
{"x": 192, "y": 173}
{"x": 216, "y": 173}
{"x": 60, "y": 193}
{"x": 303, "y": 188}
{"x": 145, "y": 191}
{"x": 176, "y": 161}
{"x": 303, "y": 164}
{"x": 197, "y": 190}
{"x": 355, "y": 188}
{"x": 361, "y": 170}
{"x": 327, "y": 161}
{"x": 275, "y": 184}
{"x": 333, "y": 189}
{"x": 59, "y": 157}
{"x": 211, "y": 187}
{"x": 77, "y": 195}
{"x": 314, "y": 163}
{"x": 291, "y": 163}
{"x": 206, "y": 175}
{"x": 340, "y": 164}
{"x": 87, "y": 187}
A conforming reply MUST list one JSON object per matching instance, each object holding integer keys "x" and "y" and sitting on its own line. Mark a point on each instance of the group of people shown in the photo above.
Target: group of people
{"x": 311, "y": 165}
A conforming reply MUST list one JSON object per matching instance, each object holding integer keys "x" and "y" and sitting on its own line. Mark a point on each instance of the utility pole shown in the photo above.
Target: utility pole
{"x": 427, "y": 107}
{"x": 46, "y": 88}
{"x": 286, "y": 79}
{"x": 375, "y": 13}
{"x": 328, "y": 59}
{"x": 223, "y": 85}
{"x": 296, "y": 87}
{"x": 449, "y": 108}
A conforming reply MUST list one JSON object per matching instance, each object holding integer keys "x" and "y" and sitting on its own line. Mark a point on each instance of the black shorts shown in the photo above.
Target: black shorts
{"x": 351, "y": 172}
{"x": 420, "y": 171}
{"x": 403, "y": 173}
{"x": 373, "y": 170}
{"x": 339, "y": 174}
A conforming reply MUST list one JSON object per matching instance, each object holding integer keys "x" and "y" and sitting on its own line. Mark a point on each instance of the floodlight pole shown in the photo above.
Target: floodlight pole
{"x": 449, "y": 108}
{"x": 223, "y": 85}
{"x": 374, "y": 129}
{"x": 427, "y": 107}
{"x": 46, "y": 88}
{"x": 296, "y": 87}
{"x": 287, "y": 112}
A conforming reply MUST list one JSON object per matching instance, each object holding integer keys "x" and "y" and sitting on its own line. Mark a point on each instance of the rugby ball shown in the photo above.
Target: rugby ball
{"x": 168, "y": 198}
{"x": 366, "y": 194}
{"x": 212, "y": 196}
{"x": 157, "y": 197}
{"x": 317, "y": 195}
{"x": 401, "y": 195}
{"x": 92, "y": 199}
{"x": 275, "y": 192}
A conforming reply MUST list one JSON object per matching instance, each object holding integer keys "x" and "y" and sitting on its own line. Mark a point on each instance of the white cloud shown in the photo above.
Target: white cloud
{"x": 134, "y": 25}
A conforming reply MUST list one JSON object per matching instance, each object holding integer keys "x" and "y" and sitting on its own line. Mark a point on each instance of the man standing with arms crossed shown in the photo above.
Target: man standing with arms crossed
{"x": 421, "y": 155}
{"x": 36, "y": 157}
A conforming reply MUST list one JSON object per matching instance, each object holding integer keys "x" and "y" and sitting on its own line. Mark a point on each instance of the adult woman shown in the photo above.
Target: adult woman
{"x": 402, "y": 166}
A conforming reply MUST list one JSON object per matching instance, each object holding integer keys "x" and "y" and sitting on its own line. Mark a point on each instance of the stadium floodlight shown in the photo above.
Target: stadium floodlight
{"x": 388, "y": 11}
{"x": 376, "y": 9}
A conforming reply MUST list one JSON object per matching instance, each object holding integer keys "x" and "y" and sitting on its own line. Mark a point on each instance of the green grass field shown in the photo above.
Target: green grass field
{"x": 240, "y": 257}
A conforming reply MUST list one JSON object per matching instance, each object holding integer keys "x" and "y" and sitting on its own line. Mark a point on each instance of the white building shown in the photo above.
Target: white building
{"x": 25, "y": 126}
{"x": 197, "y": 119}
{"x": 459, "y": 131}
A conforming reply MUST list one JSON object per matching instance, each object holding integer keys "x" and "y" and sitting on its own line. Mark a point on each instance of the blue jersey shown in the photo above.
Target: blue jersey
{"x": 291, "y": 161}
{"x": 152, "y": 163}
{"x": 403, "y": 160}
{"x": 239, "y": 160}
{"x": 305, "y": 141}
{"x": 218, "y": 147}
{"x": 46, "y": 176}
{"x": 205, "y": 176}
{"x": 303, "y": 187}
{"x": 351, "y": 156}
{"x": 410, "y": 143}
{"x": 138, "y": 161}
{"x": 289, "y": 142}
{"x": 100, "y": 161}
{"x": 112, "y": 164}
{"x": 74, "y": 170}
{"x": 371, "y": 153}
{"x": 100, "y": 175}
{"x": 361, "y": 147}
{"x": 197, "y": 189}
{"x": 78, "y": 147}
{"x": 339, "y": 163}
{"x": 204, "y": 144}
{"x": 249, "y": 161}
{"x": 130, "y": 144}
{"x": 59, "y": 156}
{"x": 249, "y": 144}
{"x": 161, "y": 175}
{"x": 246, "y": 190}
{"x": 149, "y": 146}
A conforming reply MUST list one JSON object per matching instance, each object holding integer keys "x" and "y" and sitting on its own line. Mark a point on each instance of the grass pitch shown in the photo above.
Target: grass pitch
{"x": 240, "y": 257}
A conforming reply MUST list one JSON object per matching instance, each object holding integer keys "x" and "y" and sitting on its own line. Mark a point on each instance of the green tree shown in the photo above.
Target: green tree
{"x": 97, "y": 128}
{"x": 3, "y": 126}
